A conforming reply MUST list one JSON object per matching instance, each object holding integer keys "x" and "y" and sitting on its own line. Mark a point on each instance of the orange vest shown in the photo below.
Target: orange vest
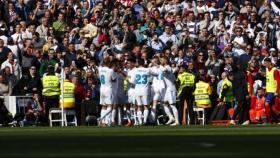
{"x": 260, "y": 103}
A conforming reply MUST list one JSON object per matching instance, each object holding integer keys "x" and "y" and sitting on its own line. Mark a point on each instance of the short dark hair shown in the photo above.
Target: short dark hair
{"x": 140, "y": 61}
{"x": 267, "y": 60}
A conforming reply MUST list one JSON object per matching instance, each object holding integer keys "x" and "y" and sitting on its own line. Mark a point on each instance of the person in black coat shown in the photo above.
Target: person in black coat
{"x": 4, "y": 51}
{"x": 241, "y": 95}
{"x": 30, "y": 83}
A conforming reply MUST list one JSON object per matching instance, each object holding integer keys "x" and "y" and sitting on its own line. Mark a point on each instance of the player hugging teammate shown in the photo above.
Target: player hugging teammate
{"x": 135, "y": 92}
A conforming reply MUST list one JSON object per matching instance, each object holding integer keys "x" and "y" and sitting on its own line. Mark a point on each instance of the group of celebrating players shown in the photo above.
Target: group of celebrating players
{"x": 138, "y": 87}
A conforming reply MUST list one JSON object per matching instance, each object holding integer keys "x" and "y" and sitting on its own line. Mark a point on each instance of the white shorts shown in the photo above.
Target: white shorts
{"x": 131, "y": 99}
{"x": 142, "y": 100}
{"x": 170, "y": 97}
{"x": 158, "y": 94}
{"x": 106, "y": 98}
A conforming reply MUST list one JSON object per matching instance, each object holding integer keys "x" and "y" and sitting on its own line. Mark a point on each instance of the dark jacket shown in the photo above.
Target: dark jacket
{"x": 3, "y": 54}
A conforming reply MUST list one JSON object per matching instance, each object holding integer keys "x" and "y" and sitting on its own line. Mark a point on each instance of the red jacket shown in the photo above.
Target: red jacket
{"x": 257, "y": 103}
{"x": 80, "y": 92}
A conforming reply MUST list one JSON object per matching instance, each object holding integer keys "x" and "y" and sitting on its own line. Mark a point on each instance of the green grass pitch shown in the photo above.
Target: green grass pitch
{"x": 158, "y": 141}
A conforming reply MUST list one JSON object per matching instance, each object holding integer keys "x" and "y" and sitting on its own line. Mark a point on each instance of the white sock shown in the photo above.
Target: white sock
{"x": 102, "y": 114}
{"x": 175, "y": 113}
{"x": 114, "y": 112}
{"x": 139, "y": 116}
{"x": 146, "y": 113}
{"x": 167, "y": 111}
{"x": 108, "y": 115}
{"x": 153, "y": 112}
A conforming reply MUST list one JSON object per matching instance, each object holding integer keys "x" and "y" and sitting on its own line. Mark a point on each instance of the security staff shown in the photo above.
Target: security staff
{"x": 51, "y": 90}
{"x": 202, "y": 95}
{"x": 68, "y": 94}
{"x": 226, "y": 98}
{"x": 186, "y": 83}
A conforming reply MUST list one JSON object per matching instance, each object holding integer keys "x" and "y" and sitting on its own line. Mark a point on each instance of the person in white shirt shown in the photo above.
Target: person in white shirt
{"x": 158, "y": 86}
{"x": 168, "y": 7}
{"x": 43, "y": 28}
{"x": 170, "y": 92}
{"x": 131, "y": 101}
{"x": 17, "y": 36}
{"x": 201, "y": 7}
{"x": 141, "y": 79}
{"x": 239, "y": 42}
{"x": 156, "y": 44}
{"x": 12, "y": 64}
{"x": 107, "y": 77}
{"x": 168, "y": 36}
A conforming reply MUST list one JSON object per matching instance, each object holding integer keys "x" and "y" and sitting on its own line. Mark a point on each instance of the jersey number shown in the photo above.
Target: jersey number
{"x": 160, "y": 76}
{"x": 141, "y": 79}
{"x": 102, "y": 79}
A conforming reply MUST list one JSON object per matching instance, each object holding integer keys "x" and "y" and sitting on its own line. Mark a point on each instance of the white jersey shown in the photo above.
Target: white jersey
{"x": 106, "y": 76}
{"x": 142, "y": 78}
{"x": 131, "y": 87}
{"x": 169, "y": 78}
{"x": 158, "y": 81}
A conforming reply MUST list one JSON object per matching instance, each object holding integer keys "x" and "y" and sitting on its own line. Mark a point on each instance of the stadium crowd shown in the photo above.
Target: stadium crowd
{"x": 159, "y": 56}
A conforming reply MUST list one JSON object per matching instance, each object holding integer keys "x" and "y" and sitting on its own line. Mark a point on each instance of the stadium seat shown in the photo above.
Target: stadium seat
{"x": 71, "y": 113}
{"x": 56, "y": 111}
{"x": 64, "y": 120}
{"x": 199, "y": 115}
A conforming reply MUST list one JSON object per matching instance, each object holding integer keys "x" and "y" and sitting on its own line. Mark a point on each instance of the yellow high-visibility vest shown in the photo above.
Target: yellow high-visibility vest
{"x": 186, "y": 80}
{"x": 271, "y": 83}
{"x": 69, "y": 95}
{"x": 201, "y": 93}
{"x": 229, "y": 94}
{"x": 51, "y": 86}
{"x": 125, "y": 85}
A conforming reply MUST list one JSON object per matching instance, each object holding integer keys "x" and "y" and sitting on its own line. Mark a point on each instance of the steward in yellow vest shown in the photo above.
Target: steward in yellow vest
{"x": 185, "y": 79}
{"x": 68, "y": 94}
{"x": 51, "y": 90}
{"x": 185, "y": 84}
{"x": 226, "y": 93}
{"x": 202, "y": 93}
{"x": 51, "y": 85}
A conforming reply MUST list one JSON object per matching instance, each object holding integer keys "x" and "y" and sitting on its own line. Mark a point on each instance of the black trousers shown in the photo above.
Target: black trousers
{"x": 242, "y": 109}
{"x": 51, "y": 102}
{"x": 187, "y": 96}
{"x": 220, "y": 112}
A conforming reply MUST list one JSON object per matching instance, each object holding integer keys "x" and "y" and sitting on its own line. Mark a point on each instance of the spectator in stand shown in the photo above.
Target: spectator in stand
{"x": 6, "y": 88}
{"x": 4, "y": 51}
{"x": 12, "y": 64}
{"x": 31, "y": 83}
